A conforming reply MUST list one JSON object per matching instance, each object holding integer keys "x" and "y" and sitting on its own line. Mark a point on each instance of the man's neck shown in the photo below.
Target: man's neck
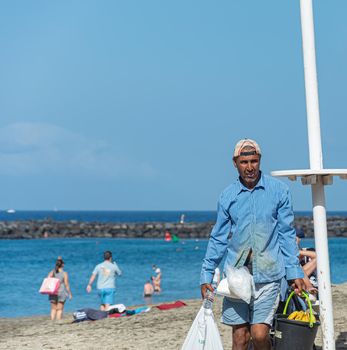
{"x": 251, "y": 186}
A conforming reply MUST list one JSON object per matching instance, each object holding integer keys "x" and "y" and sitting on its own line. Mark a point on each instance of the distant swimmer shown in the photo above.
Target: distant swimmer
{"x": 168, "y": 237}
{"x": 156, "y": 280}
{"x": 148, "y": 289}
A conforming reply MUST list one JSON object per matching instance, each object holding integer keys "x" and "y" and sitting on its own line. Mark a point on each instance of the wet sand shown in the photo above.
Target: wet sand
{"x": 153, "y": 330}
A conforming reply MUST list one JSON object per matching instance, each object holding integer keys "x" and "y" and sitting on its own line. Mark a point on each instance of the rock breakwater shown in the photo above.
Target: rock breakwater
{"x": 337, "y": 227}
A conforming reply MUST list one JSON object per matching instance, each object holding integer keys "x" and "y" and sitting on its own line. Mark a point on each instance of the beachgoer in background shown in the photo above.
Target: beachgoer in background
{"x": 148, "y": 289}
{"x": 167, "y": 236}
{"x": 156, "y": 280}
{"x": 254, "y": 228}
{"x": 106, "y": 284}
{"x": 58, "y": 301}
{"x": 308, "y": 261}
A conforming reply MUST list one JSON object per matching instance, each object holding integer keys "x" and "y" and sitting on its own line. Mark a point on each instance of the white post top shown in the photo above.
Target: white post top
{"x": 312, "y": 176}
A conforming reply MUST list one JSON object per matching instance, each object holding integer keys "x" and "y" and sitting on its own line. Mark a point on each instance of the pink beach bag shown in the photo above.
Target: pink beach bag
{"x": 50, "y": 286}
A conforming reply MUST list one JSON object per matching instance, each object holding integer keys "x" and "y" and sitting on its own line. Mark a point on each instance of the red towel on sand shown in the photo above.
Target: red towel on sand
{"x": 174, "y": 305}
{"x": 116, "y": 315}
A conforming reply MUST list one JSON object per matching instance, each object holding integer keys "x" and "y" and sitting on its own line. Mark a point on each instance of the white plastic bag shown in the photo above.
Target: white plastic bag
{"x": 223, "y": 289}
{"x": 240, "y": 282}
{"x": 203, "y": 334}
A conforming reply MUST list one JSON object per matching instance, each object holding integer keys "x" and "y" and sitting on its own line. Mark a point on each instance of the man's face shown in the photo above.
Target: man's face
{"x": 248, "y": 168}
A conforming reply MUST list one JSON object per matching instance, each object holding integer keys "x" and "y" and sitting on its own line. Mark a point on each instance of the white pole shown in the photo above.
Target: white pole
{"x": 316, "y": 163}
{"x": 323, "y": 268}
{"x": 312, "y": 102}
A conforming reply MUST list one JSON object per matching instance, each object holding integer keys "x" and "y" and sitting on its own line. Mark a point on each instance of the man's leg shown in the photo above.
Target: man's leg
{"x": 101, "y": 293}
{"x": 107, "y": 298}
{"x": 241, "y": 337}
{"x": 260, "y": 336}
{"x": 235, "y": 313}
{"x": 264, "y": 306}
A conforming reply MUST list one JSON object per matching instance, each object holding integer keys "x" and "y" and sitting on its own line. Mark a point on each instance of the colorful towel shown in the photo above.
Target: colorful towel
{"x": 139, "y": 310}
{"x": 174, "y": 305}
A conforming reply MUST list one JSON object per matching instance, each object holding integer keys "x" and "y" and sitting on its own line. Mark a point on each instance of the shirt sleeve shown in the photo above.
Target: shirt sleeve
{"x": 96, "y": 270}
{"x": 117, "y": 269}
{"x": 217, "y": 244}
{"x": 286, "y": 232}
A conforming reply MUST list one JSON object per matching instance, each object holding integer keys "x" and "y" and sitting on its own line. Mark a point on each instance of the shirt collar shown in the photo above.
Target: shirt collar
{"x": 260, "y": 184}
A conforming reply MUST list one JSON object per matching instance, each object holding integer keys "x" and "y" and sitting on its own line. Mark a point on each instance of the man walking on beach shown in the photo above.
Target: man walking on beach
{"x": 254, "y": 227}
{"x": 106, "y": 284}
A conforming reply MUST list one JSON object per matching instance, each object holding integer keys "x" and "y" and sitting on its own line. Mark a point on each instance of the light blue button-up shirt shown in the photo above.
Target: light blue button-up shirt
{"x": 260, "y": 219}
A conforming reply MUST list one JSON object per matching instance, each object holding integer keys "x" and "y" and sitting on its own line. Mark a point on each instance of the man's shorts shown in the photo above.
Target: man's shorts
{"x": 107, "y": 295}
{"x": 261, "y": 309}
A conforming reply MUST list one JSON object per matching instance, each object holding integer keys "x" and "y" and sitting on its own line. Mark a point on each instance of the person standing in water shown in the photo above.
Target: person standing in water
{"x": 148, "y": 289}
{"x": 156, "y": 280}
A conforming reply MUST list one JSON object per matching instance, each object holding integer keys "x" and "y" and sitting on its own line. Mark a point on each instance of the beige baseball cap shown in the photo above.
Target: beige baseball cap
{"x": 243, "y": 143}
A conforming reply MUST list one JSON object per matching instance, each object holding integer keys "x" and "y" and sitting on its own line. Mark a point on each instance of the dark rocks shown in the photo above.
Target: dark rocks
{"x": 337, "y": 226}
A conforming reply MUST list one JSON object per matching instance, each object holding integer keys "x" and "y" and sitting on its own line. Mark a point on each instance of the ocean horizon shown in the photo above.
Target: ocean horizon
{"x": 125, "y": 216}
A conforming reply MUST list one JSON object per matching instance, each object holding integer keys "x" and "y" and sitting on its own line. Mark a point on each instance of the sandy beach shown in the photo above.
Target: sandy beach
{"x": 156, "y": 329}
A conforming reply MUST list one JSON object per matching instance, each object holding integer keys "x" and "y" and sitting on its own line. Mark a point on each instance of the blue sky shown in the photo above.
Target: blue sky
{"x": 136, "y": 105}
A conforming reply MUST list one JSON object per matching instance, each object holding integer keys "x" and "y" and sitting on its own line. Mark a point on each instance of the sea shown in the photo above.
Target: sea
{"x": 25, "y": 263}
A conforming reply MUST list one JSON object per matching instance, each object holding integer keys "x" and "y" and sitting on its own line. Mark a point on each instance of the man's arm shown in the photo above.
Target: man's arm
{"x": 118, "y": 271}
{"x": 91, "y": 280}
{"x": 216, "y": 248}
{"x": 288, "y": 246}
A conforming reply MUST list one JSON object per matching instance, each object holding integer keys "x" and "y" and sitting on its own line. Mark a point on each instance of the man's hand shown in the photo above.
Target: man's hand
{"x": 298, "y": 285}
{"x": 91, "y": 280}
{"x": 309, "y": 287}
{"x": 204, "y": 288}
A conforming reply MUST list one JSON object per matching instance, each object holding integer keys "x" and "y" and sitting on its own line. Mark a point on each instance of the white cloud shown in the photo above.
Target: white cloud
{"x": 42, "y": 148}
